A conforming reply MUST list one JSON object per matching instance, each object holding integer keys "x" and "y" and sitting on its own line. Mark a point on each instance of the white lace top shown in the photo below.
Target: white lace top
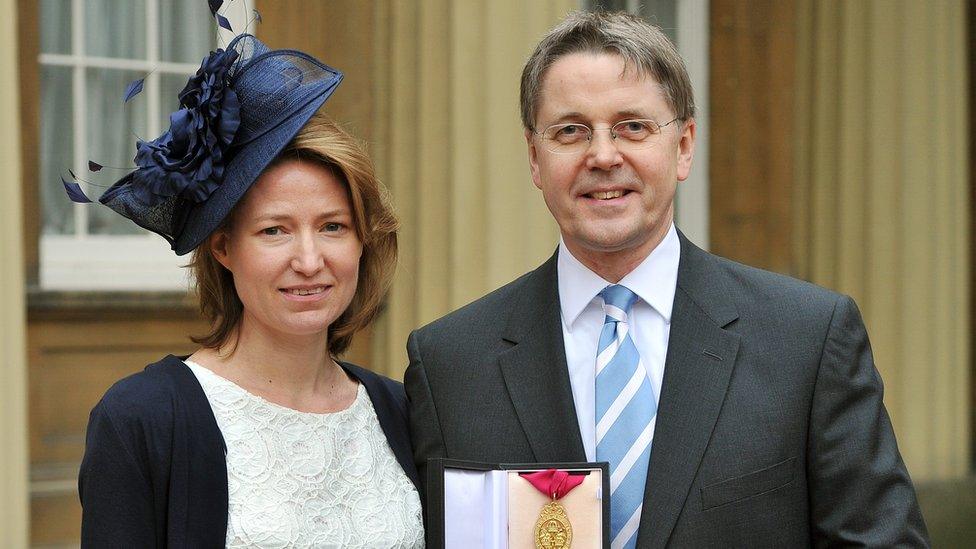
{"x": 298, "y": 479}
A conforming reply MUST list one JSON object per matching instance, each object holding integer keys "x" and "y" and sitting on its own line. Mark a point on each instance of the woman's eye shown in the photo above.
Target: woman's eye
{"x": 332, "y": 227}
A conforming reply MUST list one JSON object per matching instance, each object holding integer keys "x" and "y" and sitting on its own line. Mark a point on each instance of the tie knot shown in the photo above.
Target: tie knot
{"x": 617, "y": 298}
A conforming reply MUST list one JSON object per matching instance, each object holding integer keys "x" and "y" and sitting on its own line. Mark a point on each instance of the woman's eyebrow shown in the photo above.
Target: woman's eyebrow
{"x": 285, "y": 217}
{"x": 272, "y": 217}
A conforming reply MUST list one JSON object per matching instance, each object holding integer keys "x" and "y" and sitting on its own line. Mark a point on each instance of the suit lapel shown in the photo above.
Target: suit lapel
{"x": 701, "y": 354}
{"x": 697, "y": 370}
{"x": 535, "y": 371}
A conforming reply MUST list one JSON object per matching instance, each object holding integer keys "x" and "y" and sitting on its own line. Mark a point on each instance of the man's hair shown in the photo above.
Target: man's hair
{"x": 643, "y": 46}
{"x": 323, "y": 142}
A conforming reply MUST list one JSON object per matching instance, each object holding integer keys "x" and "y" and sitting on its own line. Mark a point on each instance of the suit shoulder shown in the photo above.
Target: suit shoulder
{"x": 762, "y": 284}
{"x": 772, "y": 302}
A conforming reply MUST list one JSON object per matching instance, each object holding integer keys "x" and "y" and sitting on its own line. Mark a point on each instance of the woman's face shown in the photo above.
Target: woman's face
{"x": 292, "y": 249}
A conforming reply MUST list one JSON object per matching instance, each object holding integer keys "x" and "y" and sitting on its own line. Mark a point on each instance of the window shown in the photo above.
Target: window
{"x": 686, "y": 24}
{"x": 90, "y": 51}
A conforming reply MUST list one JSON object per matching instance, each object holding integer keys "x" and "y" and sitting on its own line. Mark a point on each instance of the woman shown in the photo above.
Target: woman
{"x": 261, "y": 437}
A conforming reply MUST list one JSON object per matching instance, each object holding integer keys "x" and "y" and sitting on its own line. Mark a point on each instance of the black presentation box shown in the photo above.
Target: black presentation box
{"x": 489, "y": 506}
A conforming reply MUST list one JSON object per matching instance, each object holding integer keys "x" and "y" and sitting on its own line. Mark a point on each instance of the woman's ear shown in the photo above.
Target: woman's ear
{"x": 219, "y": 243}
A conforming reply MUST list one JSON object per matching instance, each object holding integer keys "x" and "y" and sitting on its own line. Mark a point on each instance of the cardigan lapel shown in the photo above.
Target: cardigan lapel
{"x": 697, "y": 370}
{"x": 535, "y": 371}
{"x": 197, "y": 497}
{"x": 391, "y": 412}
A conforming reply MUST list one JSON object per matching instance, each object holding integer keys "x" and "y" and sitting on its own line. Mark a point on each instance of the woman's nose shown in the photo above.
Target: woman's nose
{"x": 307, "y": 258}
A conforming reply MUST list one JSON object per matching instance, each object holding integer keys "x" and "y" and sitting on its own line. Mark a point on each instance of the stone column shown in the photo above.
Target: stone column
{"x": 13, "y": 321}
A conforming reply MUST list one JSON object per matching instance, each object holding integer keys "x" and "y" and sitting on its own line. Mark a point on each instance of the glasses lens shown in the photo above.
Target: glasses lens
{"x": 636, "y": 134}
{"x": 627, "y": 135}
{"x": 566, "y": 138}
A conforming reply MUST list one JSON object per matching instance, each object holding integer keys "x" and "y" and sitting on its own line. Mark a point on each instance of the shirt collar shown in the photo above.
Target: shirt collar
{"x": 654, "y": 280}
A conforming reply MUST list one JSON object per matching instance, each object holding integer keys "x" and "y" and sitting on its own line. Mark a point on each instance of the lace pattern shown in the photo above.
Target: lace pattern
{"x": 299, "y": 479}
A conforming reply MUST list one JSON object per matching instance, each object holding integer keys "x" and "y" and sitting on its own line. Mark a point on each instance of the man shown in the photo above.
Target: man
{"x": 735, "y": 407}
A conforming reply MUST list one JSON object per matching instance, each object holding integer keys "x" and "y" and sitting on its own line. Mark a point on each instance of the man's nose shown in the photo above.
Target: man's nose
{"x": 603, "y": 154}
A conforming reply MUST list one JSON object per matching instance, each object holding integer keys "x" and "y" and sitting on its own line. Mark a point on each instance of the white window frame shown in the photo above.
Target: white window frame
{"x": 142, "y": 262}
{"x": 691, "y": 203}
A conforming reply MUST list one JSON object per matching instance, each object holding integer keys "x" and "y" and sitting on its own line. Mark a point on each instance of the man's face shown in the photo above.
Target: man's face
{"x": 613, "y": 207}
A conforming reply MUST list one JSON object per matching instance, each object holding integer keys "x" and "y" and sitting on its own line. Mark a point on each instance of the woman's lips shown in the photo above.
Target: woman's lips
{"x": 305, "y": 293}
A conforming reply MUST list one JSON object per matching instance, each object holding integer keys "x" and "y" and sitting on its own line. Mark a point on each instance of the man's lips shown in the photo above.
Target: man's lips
{"x": 606, "y": 194}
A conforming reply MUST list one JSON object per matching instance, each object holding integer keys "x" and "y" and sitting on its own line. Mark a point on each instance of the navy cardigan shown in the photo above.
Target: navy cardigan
{"x": 154, "y": 472}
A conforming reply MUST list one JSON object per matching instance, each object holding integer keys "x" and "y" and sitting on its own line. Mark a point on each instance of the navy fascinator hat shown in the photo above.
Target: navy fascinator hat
{"x": 241, "y": 108}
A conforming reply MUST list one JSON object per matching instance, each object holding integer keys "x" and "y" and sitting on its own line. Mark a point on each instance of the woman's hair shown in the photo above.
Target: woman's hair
{"x": 323, "y": 142}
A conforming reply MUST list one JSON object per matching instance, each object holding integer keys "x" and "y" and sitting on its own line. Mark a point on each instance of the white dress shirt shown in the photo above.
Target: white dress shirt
{"x": 654, "y": 282}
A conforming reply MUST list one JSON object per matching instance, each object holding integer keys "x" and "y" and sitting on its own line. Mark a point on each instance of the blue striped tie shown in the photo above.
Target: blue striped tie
{"x": 625, "y": 410}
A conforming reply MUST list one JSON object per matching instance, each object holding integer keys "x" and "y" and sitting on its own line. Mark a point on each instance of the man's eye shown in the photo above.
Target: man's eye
{"x": 271, "y": 231}
{"x": 569, "y": 133}
{"x": 634, "y": 129}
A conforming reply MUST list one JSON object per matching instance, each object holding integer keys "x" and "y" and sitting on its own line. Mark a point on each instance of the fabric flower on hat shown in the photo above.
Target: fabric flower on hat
{"x": 236, "y": 114}
{"x": 188, "y": 159}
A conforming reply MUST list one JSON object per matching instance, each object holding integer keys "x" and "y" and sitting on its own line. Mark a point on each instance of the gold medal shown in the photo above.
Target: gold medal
{"x": 553, "y": 530}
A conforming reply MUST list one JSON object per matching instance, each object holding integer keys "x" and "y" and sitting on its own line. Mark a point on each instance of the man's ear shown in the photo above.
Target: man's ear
{"x": 686, "y": 149}
{"x": 533, "y": 158}
{"x": 219, "y": 242}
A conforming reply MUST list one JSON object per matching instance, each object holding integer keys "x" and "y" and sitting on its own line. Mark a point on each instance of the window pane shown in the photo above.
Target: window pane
{"x": 115, "y": 28}
{"x": 55, "y": 26}
{"x": 662, "y": 13}
{"x": 187, "y": 31}
{"x": 113, "y": 128}
{"x": 57, "y": 148}
{"x": 607, "y": 5}
{"x": 170, "y": 86}
{"x": 659, "y": 12}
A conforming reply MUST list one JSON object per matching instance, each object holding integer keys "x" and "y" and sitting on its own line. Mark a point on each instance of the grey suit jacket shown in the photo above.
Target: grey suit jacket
{"x": 771, "y": 431}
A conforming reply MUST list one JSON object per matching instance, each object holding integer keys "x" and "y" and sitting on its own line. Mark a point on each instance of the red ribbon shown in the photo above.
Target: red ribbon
{"x": 554, "y": 483}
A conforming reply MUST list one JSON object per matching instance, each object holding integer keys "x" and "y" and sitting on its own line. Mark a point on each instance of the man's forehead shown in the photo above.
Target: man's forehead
{"x": 580, "y": 83}
{"x": 618, "y": 67}
{"x": 616, "y": 114}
